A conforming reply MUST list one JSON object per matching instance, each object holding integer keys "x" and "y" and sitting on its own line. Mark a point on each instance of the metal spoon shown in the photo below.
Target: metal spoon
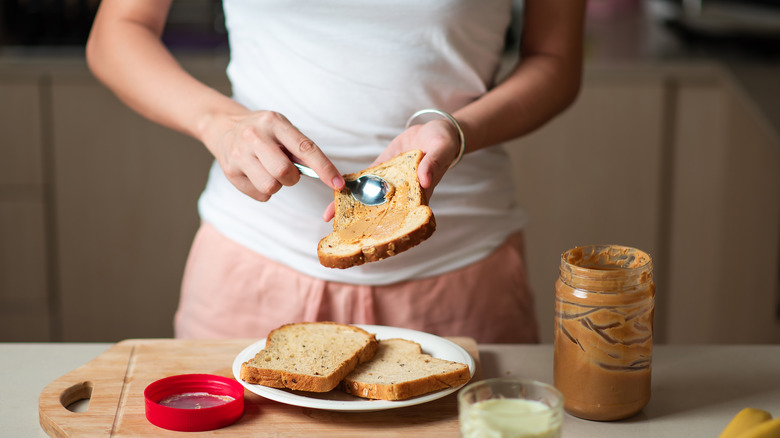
{"x": 367, "y": 189}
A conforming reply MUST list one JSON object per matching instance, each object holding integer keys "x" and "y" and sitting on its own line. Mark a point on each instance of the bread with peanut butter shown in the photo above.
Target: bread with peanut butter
{"x": 309, "y": 356}
{"x": 363, "y": 233}
{"x": 400, "y": 370}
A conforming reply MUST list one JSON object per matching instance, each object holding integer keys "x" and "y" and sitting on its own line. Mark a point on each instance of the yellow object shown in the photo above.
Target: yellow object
{"x": 745, "y": 420}
{"x": 767, "y": 429}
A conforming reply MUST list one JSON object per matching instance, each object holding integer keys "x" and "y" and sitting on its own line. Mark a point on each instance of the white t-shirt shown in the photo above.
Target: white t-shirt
{"x": 348, "y": 74}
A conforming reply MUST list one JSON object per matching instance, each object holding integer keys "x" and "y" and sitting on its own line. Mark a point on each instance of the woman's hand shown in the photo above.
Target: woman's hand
{"x": 256, "y": 150}
{"x": 440, "y": 143}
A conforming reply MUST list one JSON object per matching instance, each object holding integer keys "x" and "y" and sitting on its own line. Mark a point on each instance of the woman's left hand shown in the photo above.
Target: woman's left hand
{"x": 440, "y": 143}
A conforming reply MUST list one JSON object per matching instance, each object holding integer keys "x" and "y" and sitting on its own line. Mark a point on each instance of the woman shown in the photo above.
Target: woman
{"x": 332, "y": 84}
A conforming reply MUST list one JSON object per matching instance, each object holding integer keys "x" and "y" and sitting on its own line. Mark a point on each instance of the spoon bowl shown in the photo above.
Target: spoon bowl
{"x": 366, "y": 189}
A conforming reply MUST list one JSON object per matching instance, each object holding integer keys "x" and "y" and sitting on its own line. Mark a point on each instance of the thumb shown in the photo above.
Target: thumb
{"x": 329, "y": 213}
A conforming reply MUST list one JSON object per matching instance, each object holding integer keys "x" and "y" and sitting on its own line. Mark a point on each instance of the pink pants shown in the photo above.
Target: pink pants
{"x": 229, "y": 291}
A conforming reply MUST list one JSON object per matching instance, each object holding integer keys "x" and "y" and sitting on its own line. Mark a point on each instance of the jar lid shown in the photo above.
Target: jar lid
{"x": 194, "y": 402}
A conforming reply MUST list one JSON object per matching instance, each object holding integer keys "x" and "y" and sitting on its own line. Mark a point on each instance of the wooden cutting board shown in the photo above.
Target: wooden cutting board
{"x": 114, "y": 383}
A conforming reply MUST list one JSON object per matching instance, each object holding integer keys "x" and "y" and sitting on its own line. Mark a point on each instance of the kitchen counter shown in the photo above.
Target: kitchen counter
{"x": 696, "y": 389}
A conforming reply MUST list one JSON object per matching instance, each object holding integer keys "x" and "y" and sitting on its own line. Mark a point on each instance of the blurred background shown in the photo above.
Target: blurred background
{"x": 196, "y": 24}
{"x": 673, "y": 147}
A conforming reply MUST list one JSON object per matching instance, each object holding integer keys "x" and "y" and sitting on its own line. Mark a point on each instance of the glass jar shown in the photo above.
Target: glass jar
{"x": 510, "y": 407}
{"x": 604, "y": 300}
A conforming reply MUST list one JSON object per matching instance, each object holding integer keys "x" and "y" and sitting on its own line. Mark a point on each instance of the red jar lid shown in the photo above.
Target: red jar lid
{"x": 194, "y": 402}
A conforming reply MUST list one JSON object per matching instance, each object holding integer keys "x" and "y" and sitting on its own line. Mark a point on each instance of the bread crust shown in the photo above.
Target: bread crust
{"x": 458, "y": 374}
{"x": 252, "y": 372}
{"x": 375, "y": 253}
{"x": 405, "y": 390}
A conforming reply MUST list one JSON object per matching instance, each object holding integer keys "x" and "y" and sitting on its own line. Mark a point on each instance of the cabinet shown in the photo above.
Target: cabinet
{"x": 24, "y": 265}
{"x": 126, "y": 196}
{"x": 97, "y": 208}
{"x": 725, "y": 231}
{"x": 593, "y": 175}
{"x": 675, "y": 162}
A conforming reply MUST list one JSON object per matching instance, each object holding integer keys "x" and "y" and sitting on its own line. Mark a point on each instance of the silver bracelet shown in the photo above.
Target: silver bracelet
{"x": 452, "y": 120}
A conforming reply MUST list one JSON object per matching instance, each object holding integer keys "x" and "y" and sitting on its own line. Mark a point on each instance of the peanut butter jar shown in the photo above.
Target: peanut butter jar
{"x": 604, "y": 301}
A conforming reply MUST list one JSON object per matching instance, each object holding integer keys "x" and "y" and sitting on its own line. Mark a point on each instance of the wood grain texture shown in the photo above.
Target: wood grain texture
{"x": 118, "y": 377}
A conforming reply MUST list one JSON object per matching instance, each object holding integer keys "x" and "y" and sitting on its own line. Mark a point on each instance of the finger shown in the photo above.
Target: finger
{"x": 264, "y": 148}
{"x": 278, "y": 165}
{"x": 425, "y": 178}
{"x": 265, "y": 183}
{"x": 428, "y": 193}
{"x": 330, "y": 212}
{"x": 429, "y": 175}
{"x": 246, "y": 187}
{"x": 304, "y": 149}
{"x": 430, "y": 170}
{"x": 234, "y": 172}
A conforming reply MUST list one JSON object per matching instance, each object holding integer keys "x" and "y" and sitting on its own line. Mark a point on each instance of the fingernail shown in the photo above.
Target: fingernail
{"x": 338, "y": 182}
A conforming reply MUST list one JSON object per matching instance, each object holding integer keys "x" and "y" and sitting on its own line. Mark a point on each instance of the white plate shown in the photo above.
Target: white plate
{"x": 337, "y": 400}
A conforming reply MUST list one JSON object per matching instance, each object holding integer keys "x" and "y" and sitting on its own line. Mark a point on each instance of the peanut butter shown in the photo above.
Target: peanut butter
{"x": 604, "y": 301}
{"x": 379, "y": 221}
{"x": 378, "y": 224}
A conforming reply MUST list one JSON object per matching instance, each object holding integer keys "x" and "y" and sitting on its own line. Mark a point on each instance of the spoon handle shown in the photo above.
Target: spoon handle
{"x": 306, "y": 170}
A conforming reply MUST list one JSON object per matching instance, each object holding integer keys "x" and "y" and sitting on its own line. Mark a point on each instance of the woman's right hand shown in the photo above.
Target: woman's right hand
{"x": 256, "y": 150}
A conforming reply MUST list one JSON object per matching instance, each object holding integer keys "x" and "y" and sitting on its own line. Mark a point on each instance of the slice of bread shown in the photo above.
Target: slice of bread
{"x": 363, "y": 233}
{"x": 309, "y": 356}
{"x": 400, "y": 370}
